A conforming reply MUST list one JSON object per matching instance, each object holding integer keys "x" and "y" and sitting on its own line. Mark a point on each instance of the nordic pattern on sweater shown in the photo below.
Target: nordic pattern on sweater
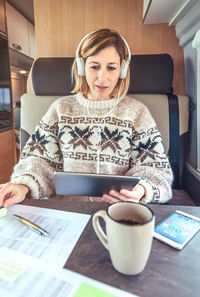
{"x": 72, "y": 134}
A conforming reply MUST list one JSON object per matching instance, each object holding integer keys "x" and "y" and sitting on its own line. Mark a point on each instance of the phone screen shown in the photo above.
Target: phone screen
{"x": 178, "y": 227}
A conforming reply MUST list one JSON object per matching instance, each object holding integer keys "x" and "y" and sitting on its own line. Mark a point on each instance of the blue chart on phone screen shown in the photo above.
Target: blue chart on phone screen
{"x": 178, "y": 227}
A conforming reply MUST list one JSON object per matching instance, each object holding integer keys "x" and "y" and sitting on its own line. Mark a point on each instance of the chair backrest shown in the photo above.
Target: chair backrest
{"x": 150, "y": 82}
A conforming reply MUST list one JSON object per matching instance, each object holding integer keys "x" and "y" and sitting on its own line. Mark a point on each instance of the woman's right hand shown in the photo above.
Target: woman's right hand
{"x": 12, "y": 193}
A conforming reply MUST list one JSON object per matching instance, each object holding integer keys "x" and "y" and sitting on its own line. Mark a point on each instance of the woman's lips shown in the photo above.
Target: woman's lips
{"x": 101, "y": 87}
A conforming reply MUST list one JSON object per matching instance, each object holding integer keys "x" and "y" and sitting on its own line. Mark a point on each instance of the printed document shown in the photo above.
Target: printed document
{"x": 22, "y": 275}
{"x": 64, "y": 230}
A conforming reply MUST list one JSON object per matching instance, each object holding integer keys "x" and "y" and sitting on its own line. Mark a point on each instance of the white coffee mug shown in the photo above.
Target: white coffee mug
{"x": 129, "y": 233}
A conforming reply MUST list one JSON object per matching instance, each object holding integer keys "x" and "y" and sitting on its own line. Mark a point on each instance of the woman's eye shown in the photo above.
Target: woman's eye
{"x": 111, "y": 68}
{"x": 94, "y": 67}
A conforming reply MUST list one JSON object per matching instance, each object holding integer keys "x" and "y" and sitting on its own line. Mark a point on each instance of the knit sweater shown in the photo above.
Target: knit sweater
{"x": 79, "y": 135}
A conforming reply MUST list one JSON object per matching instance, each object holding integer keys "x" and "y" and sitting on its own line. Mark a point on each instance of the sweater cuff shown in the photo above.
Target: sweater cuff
{"x": 30, "y": 182}
{"x": 148, "y": 197}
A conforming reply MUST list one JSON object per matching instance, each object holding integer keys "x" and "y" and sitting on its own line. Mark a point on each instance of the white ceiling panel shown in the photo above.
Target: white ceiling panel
{"x": 164, "y": 11}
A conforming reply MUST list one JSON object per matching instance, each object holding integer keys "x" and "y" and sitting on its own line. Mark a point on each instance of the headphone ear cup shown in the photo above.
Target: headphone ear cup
{"x": 124, "y": 68}
{"x": 80, "y": 66}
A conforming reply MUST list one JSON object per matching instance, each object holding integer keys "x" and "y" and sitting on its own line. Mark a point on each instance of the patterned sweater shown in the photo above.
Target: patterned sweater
{"x": 76, "y": 132}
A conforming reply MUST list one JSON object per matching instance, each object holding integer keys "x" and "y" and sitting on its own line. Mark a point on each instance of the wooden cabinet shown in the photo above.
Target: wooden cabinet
{"x": 7, "y": 138}
{"x": 2, "y": 17}
{"x": 21, "y": 34}
{"x": 7, "y": 155}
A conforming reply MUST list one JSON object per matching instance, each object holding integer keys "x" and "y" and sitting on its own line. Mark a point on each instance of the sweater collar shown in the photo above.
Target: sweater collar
{"x": 92, "y": 104}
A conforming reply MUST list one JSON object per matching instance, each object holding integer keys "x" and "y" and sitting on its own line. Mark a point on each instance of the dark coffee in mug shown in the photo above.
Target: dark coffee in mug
{"x": 129, "y": 222}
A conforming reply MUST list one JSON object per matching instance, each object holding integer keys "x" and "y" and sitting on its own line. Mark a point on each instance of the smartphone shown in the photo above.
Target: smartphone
{"x": 177, "y": 229}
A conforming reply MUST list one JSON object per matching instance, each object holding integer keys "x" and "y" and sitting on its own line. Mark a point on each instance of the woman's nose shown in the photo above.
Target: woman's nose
{"x": 102, "y": 74}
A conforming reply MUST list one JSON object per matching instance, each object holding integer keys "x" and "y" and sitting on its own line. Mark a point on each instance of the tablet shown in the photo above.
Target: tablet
{"x": 87, "y": 184}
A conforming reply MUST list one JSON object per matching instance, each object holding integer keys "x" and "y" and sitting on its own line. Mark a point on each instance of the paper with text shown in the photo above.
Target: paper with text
{"x": 63, "y": 227}
{"x": 43, "y": 280}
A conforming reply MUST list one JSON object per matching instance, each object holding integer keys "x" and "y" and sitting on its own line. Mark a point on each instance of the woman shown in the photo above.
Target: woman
{"x": 97, "y": 130}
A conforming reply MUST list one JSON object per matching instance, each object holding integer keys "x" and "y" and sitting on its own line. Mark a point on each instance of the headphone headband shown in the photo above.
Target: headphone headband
{"x": 81, "y": 62}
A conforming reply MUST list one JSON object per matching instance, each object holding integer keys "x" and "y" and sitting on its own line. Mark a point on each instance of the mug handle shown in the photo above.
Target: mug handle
{"x": 97, "y": 227}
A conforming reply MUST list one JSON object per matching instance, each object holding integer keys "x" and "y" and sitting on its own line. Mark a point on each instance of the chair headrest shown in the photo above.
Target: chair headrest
{"x": 52, "y": 76}
{"x": 151, "y": 74}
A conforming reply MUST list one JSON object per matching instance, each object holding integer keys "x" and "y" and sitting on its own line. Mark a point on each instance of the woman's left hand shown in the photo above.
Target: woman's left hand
{"x": 124, "y": 195}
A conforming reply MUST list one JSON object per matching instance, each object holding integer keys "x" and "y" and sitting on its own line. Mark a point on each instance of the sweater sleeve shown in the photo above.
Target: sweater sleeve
{"x": 40, "y": 157}
{"x": 149, "y": 161}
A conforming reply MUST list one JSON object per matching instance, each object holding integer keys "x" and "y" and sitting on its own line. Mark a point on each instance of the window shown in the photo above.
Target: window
{"x": 196, "y": 44}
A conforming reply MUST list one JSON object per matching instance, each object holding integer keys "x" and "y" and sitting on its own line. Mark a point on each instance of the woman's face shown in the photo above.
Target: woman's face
{"x": 102, "y": 73}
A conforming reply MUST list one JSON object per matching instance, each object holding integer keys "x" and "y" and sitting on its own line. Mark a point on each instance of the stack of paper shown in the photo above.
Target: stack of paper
{"x": 31, "y": 264}
{"x": 22, "y": 275}
{"x": 63, "y": 227}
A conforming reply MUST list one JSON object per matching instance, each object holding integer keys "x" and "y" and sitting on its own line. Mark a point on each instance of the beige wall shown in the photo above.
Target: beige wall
{"x": 60, "y": 25}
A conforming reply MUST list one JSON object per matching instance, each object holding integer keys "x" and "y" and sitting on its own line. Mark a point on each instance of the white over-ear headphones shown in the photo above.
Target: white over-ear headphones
{"x": 81, "y": 62}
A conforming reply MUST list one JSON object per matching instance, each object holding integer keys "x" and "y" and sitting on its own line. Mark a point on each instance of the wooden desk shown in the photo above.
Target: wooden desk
{"x": 180, "y": 197}
{"x": 168, "y": 272}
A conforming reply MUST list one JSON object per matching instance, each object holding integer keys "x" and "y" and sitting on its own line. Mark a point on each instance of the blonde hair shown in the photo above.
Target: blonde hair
{"x": 91, "y": 45}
